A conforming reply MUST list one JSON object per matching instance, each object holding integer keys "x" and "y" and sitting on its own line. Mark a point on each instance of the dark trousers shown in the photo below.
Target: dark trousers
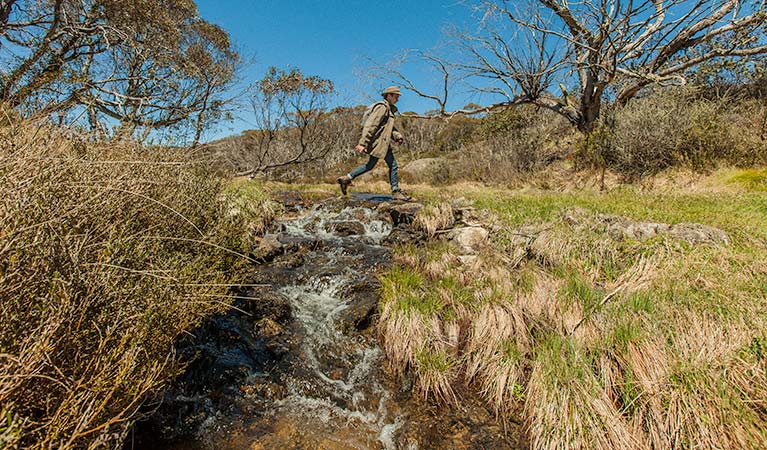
{"x": 372, "y": 161}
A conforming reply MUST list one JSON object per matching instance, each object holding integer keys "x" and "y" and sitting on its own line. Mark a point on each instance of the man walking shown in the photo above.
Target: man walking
{"x": 378, "y": 131}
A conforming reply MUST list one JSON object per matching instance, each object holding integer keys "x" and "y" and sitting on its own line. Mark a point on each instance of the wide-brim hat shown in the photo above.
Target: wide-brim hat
{"x": 391, "y": 90}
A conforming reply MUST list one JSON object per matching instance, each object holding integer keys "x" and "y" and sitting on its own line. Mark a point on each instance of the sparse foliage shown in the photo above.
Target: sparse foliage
{"x": 113, "y": 64}
{"x": 590, "y": 52}
{"x": 606, "y": 48}
{"x": 290, "y": 111}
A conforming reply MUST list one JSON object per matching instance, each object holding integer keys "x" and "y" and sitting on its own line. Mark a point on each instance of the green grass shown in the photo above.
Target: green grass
{"x": 754, "y": 179}
{"x": 740, "y": 213}
{"x": 680, "y": 342}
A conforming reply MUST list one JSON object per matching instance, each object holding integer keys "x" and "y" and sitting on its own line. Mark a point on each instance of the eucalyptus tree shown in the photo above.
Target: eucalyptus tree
{"x": 290, "y": 111}
{"x": 123, "y": 65}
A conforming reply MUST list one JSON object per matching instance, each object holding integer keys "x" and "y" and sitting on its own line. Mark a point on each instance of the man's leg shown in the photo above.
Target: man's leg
{"x": 364, "y": 168}
{"x": 345, "y": 181}
{"x": 396, "y": 192}
{"x": 393, "y": 175}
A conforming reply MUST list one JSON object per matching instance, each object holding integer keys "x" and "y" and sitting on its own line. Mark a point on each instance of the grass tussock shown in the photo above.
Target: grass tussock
{"x": 107, "y": 254}
{"x": 599, "y": 340}
{"x": 433, "y": 218}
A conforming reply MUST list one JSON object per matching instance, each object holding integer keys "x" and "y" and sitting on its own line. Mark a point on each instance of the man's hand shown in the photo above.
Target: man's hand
{"x": 359, "y": 149}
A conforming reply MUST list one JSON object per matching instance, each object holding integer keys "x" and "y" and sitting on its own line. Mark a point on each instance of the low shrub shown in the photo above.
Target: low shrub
{"x": 675, "y": 128}
{"x": 511, "y": 146}
{"x": 107, "y": 254}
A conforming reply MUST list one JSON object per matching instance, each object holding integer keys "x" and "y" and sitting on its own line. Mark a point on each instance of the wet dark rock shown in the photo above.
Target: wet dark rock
{"x": 403, "y": 235}
{"x": 359, "y": 215}
{"x": 403, "y": 213}
{"x": 368, "y": 199}
{"x": 310, "y": 227}
{"x": 277, "y": 348}
{"x": 288, "y": 198}
{"x": 293, "y": 243}
{"x": 266, "y": 389}
{"x": 268, "y": 328}
{"x": 264, "y": 302}
{"x": 266, "y": 248}
{"x": 468, "y": 425}
{"x": 284, "y": 265}
{"x": 362, "y": 305}
{"x": 348, "y": 228}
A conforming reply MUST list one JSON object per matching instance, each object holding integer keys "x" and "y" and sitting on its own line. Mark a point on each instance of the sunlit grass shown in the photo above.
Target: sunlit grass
{"x": 601, "y": 342}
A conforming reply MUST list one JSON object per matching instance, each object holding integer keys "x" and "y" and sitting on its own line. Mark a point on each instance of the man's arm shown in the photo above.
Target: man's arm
{"x": 371, "y": 125}
{"x": 397, "y": 135}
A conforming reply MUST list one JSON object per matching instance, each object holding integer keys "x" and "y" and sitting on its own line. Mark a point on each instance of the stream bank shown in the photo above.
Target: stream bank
{"x": 295, "y": 364}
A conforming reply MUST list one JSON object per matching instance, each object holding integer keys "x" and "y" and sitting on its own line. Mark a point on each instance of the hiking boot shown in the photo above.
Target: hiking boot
{"x": 344, "y": 183}
{"x": 399, "y": 195}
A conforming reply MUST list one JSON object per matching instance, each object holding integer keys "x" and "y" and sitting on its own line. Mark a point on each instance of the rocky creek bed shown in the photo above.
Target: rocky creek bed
{"x": 295, "y": 363}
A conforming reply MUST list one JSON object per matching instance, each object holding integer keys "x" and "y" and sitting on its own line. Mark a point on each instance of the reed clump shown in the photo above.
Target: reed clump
{"x": 107, "y": 253}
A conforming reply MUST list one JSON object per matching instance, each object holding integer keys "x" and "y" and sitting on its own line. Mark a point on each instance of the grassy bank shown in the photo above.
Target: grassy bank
{"x": 597, "y": 340}
{"x": 107, "y": 254}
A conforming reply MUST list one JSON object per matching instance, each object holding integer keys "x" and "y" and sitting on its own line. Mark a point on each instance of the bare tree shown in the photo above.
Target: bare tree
{"x": 605, "y": 46}
{"x": 290, "y": 110}
{"x": 392, "y": 72}
{"x": 591, "y": 51}
{"x": 5, "y": 13}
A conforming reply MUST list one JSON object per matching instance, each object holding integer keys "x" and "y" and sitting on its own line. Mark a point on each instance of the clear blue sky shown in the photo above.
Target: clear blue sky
{"x": 332, "y": 39}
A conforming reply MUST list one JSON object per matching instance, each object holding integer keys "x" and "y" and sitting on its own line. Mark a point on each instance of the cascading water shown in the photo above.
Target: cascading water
{"x": 295, "y": 364}
{"x": 344, "y": 402}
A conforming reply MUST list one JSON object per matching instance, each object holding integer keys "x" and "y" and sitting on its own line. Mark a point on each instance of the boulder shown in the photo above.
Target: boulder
{"x": 403, "y": 235}
{"x": 362, "y": 304}
{"x": 266, "y": 248}
{"x": 268, "y": 328}
{"x": 461, "y": 208}
{"x": 637, "y": 231}
{"x": 263, "y": 302}
{"x": 696, "y": 233}
{"x": 426, "y": 170}
{"x": 469, "y": 261}
{"x": 402, "y": 213}
{"x": 469, "y": 239}
{"x": 621, "y": 228}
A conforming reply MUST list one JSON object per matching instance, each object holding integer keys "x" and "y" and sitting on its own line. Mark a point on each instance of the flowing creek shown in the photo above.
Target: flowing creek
{"x": 296, "y": 364}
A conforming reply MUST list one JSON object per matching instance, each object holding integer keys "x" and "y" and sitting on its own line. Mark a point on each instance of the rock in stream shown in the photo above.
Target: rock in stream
{"x": 295, "y": 363}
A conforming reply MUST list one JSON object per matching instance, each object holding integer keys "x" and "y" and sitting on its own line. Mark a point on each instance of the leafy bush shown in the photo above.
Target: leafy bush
{"x": 455, "y": 133}
{"x": 505, "y": 121}
{"x": 107, "y": 253}
{"x": 675, "y": 128}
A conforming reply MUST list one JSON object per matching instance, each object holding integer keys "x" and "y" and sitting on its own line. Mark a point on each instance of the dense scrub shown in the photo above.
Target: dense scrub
{"x": 107, "y": 254}
{"x": 666, "y": 129}
{"x": 678, "y": 129}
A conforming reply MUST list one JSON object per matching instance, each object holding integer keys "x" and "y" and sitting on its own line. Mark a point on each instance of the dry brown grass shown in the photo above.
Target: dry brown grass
{"x": 566, "y": 407}
{"x": 107, "y": 254}
{"x": 433, "y": 218}
{"x": 601, "y": 342}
